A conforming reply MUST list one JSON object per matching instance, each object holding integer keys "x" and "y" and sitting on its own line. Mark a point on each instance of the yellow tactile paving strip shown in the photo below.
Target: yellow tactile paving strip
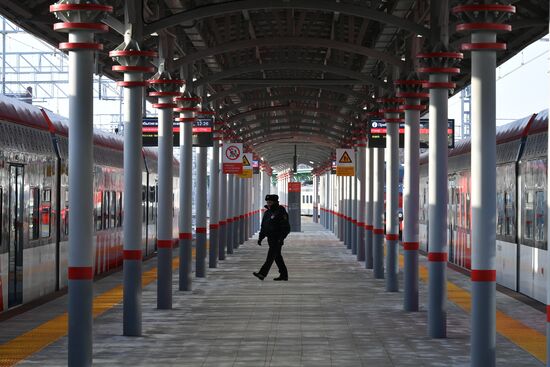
{"x": 523, "y": 336}
{"x": 40, "y": 337}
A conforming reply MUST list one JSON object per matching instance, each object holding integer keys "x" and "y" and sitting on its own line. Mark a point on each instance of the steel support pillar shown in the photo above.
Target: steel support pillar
{"x": 230, "y": 212}
{"x": 361, "y": 193}
{"x": 348, "y": 206}
{"x": 81, "y": 47}
{"x": 166, "y": 89}
{"x": 200, "y": 213}
{"x": 187, "y": 108}
{"x": 222, "y": 199}
{"x": 214, "y": 205}
{"x": 438, "y": 66}
{"x": 369, "y": 216}
{"x": 377, "y": 214}
{"x": 484, "y": 22}
{"x": 411, "y": 90}
{"x": 133, "y": 63}
{"x": 353, "y": 210}
{"x": 391, "y": 118}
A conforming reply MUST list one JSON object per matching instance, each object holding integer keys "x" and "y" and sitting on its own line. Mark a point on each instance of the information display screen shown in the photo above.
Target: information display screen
{"x": 203, "y": 131}
{"x": 256, "y": 167}
{"x": 376, "y": 134}
{"x": 150, "y": 132}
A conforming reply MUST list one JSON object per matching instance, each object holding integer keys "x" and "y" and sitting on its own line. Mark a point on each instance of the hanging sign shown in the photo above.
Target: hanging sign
{"x": 232, "y": 158}
{"x": 294, "y": 187}
{"x": 203, "y": 131}
{"x": 247, "y": 166}
{"x": 150, "y": 132}
{"x": 377, "y": 134}
{"x": 256, "y": 167}
{"x": 345, "y": 165}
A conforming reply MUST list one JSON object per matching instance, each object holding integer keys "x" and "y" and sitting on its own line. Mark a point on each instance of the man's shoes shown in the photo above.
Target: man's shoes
{"x": 279, "y": 278}
{"x": 259, "y": 276}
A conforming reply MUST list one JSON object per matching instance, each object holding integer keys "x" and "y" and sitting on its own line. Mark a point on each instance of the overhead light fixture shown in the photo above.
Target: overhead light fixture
{"x": 208, "y": 94}
{"x": 365, "y": 107}
{"x": 418, "y": 36}
{"x": 154, "y": 34}
{"x": 194, "y": 79}
{"x": 403, "y": 58}
{"x": 385, "y": 79}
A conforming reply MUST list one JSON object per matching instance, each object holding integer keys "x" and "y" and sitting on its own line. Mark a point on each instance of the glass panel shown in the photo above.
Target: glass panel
{"x": 119, "y": 209}
{"x": 529, "y": 216}
{"x": 106, "y": 202}
{"x": 510, "y": 215}
{"x": 500, "y": 213}
{"x": 65, "y": 214}
{"x": 34, "y": 210}
{"x": 540, "y": 216}
{"x": 45, "y": 214}
{"x": 112, "y": 217}
{"x": 98, "y": 201}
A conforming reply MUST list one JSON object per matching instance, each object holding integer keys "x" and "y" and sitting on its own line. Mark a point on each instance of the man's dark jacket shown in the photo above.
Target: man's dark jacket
{"x": 275, "y": 223}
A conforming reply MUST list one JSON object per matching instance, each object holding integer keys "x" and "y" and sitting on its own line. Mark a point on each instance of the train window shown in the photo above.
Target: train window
{"x": 467, "y": 210}
{"x": 112, "y": 217}
{"x": 528, "y": 232}
{"x": 65, "y": 214}
{"x": 500, "y": 213}
{"x": 34, "y": 212}
{"x": 311, "y": 199}
{"x": 510, "y": 214}
{"x": 540, "y": 216}
{"x": 45, "y": 213}
{"x": 119, "y": 209}
{"x": 144, "y": 203}
{"x": 105, "y": 207}
{"x": 98, "y": 200}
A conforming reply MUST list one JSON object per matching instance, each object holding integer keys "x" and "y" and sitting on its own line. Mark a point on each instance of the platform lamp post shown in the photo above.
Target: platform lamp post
{"x": 484, "y": 21}
{"x": 391, "y": 110}
{"x": 222, "y": 192}
{"x": 362, "y": 190}
{"x": 133, "y": 63}
{"x": 412, "y": 90}
{"x": 166, "y": 89}
{"x": 439, "y": 65}
{"x": 187, "y": 108}
{"x": 80, "y": 21}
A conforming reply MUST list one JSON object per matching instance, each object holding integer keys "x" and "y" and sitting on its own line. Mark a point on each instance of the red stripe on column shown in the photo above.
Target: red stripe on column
{"x": 378, "y": 230}
{"x": 548, "y": 313}
{"x": 164, "y": 243}
{"x": 392, "y": 237}
{"x": 131, "y": 254}
{"x": 222, "y": 222}
{"x": 214, "y": 226}
{"x": 80, "y": 273}
{"x": 437, "y": 256}
{"x": 186, "y": 236}
{"x": 368, "y": 227}
{"x": 200, "y": 230}
{"x": 483, "y": 275}
{"x": 360, "y": 224}
{"x": 241, "y": 216}
{"x": 412, "y": 246}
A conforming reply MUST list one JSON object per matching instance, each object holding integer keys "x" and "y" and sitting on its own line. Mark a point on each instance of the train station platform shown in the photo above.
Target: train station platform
{"x": 331, "y": 312}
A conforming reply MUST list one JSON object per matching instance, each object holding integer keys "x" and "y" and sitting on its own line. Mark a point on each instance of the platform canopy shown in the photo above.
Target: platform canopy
{"x": 282, "y": 73}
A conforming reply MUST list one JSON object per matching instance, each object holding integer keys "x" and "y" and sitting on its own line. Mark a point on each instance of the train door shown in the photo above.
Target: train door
{"x": 15, "y": 250}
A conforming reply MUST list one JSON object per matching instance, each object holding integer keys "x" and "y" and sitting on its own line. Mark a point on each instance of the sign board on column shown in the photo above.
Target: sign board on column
{"x": 247, "y": 166}
{"x": 203, "y": 131}
{"x": 232, "y": 158}
{"x": 345, "y": 162}
{"x": 294, "y": 187}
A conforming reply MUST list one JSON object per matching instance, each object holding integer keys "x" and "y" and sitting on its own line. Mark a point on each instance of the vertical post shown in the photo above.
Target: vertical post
{"x": 230, "y": 212}
{"x": 483, "y": 275}
{"x": 187, "y": 109}
{"x": 81, "y": 47}
{"x": 361, "y": 154}
{"x": 200, "y": 212}
{"x": 354, "y": 213}
{"x": 369, "y": 217}
{"x": 133, "y": 64}
{"x": 411, "y": 90}
{"x": 378, "y": 212}
{"x": 391, "y": 118}
{"x": 439, "y": 66}
{"x": 223, "y": 210}
{"x": 214, "y": 204}
{"x": 167, "y": 89}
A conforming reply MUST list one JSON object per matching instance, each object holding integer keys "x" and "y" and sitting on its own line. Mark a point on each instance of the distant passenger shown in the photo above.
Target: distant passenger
{"x": 275, "y": 226}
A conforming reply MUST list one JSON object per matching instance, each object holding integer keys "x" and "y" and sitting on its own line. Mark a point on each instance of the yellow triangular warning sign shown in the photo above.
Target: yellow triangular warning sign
{"x": 345, "y": 158}
{"x": 246, "y": 162}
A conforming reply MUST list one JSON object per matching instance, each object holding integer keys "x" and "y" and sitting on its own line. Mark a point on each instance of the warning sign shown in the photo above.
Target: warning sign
{"x": 294, "y": 187}
{"x": 247, "y": 166}
{"x": 345, "y": 162}
{"x": 232, "y": 158}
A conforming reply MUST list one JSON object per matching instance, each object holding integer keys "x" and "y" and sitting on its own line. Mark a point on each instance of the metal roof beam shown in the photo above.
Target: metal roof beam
{"x": 294, "y": 82}
{"x": 316, "y": 5}
{"x": 288, "y": 108}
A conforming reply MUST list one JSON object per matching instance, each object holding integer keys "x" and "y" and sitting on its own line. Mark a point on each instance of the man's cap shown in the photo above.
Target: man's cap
{"x": 272, "y": 197}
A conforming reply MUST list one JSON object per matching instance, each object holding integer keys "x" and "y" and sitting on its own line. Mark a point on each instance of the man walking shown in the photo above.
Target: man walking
{"x": 275, "y": 227}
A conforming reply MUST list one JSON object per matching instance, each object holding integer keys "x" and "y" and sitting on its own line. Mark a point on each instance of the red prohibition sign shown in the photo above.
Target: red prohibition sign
{"x": 232, "y": 152}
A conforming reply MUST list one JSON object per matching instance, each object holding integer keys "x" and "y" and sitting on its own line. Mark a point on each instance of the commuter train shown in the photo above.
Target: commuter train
{"x": 306, "y": 204}
{"x": 34, "y": 207}
{"x": 521, "y": 217}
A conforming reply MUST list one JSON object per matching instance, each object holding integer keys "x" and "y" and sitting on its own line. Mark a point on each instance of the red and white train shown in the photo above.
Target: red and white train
{"x": 34, "y": 208}
{"x": 521, "y": 217}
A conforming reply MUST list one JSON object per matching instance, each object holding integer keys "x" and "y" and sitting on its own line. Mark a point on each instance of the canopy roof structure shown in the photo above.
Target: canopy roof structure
{"x": 282, "y": 73}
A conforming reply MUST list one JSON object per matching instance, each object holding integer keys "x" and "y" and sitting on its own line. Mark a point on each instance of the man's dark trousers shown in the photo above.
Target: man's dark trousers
{"x": 274, "y": 254}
